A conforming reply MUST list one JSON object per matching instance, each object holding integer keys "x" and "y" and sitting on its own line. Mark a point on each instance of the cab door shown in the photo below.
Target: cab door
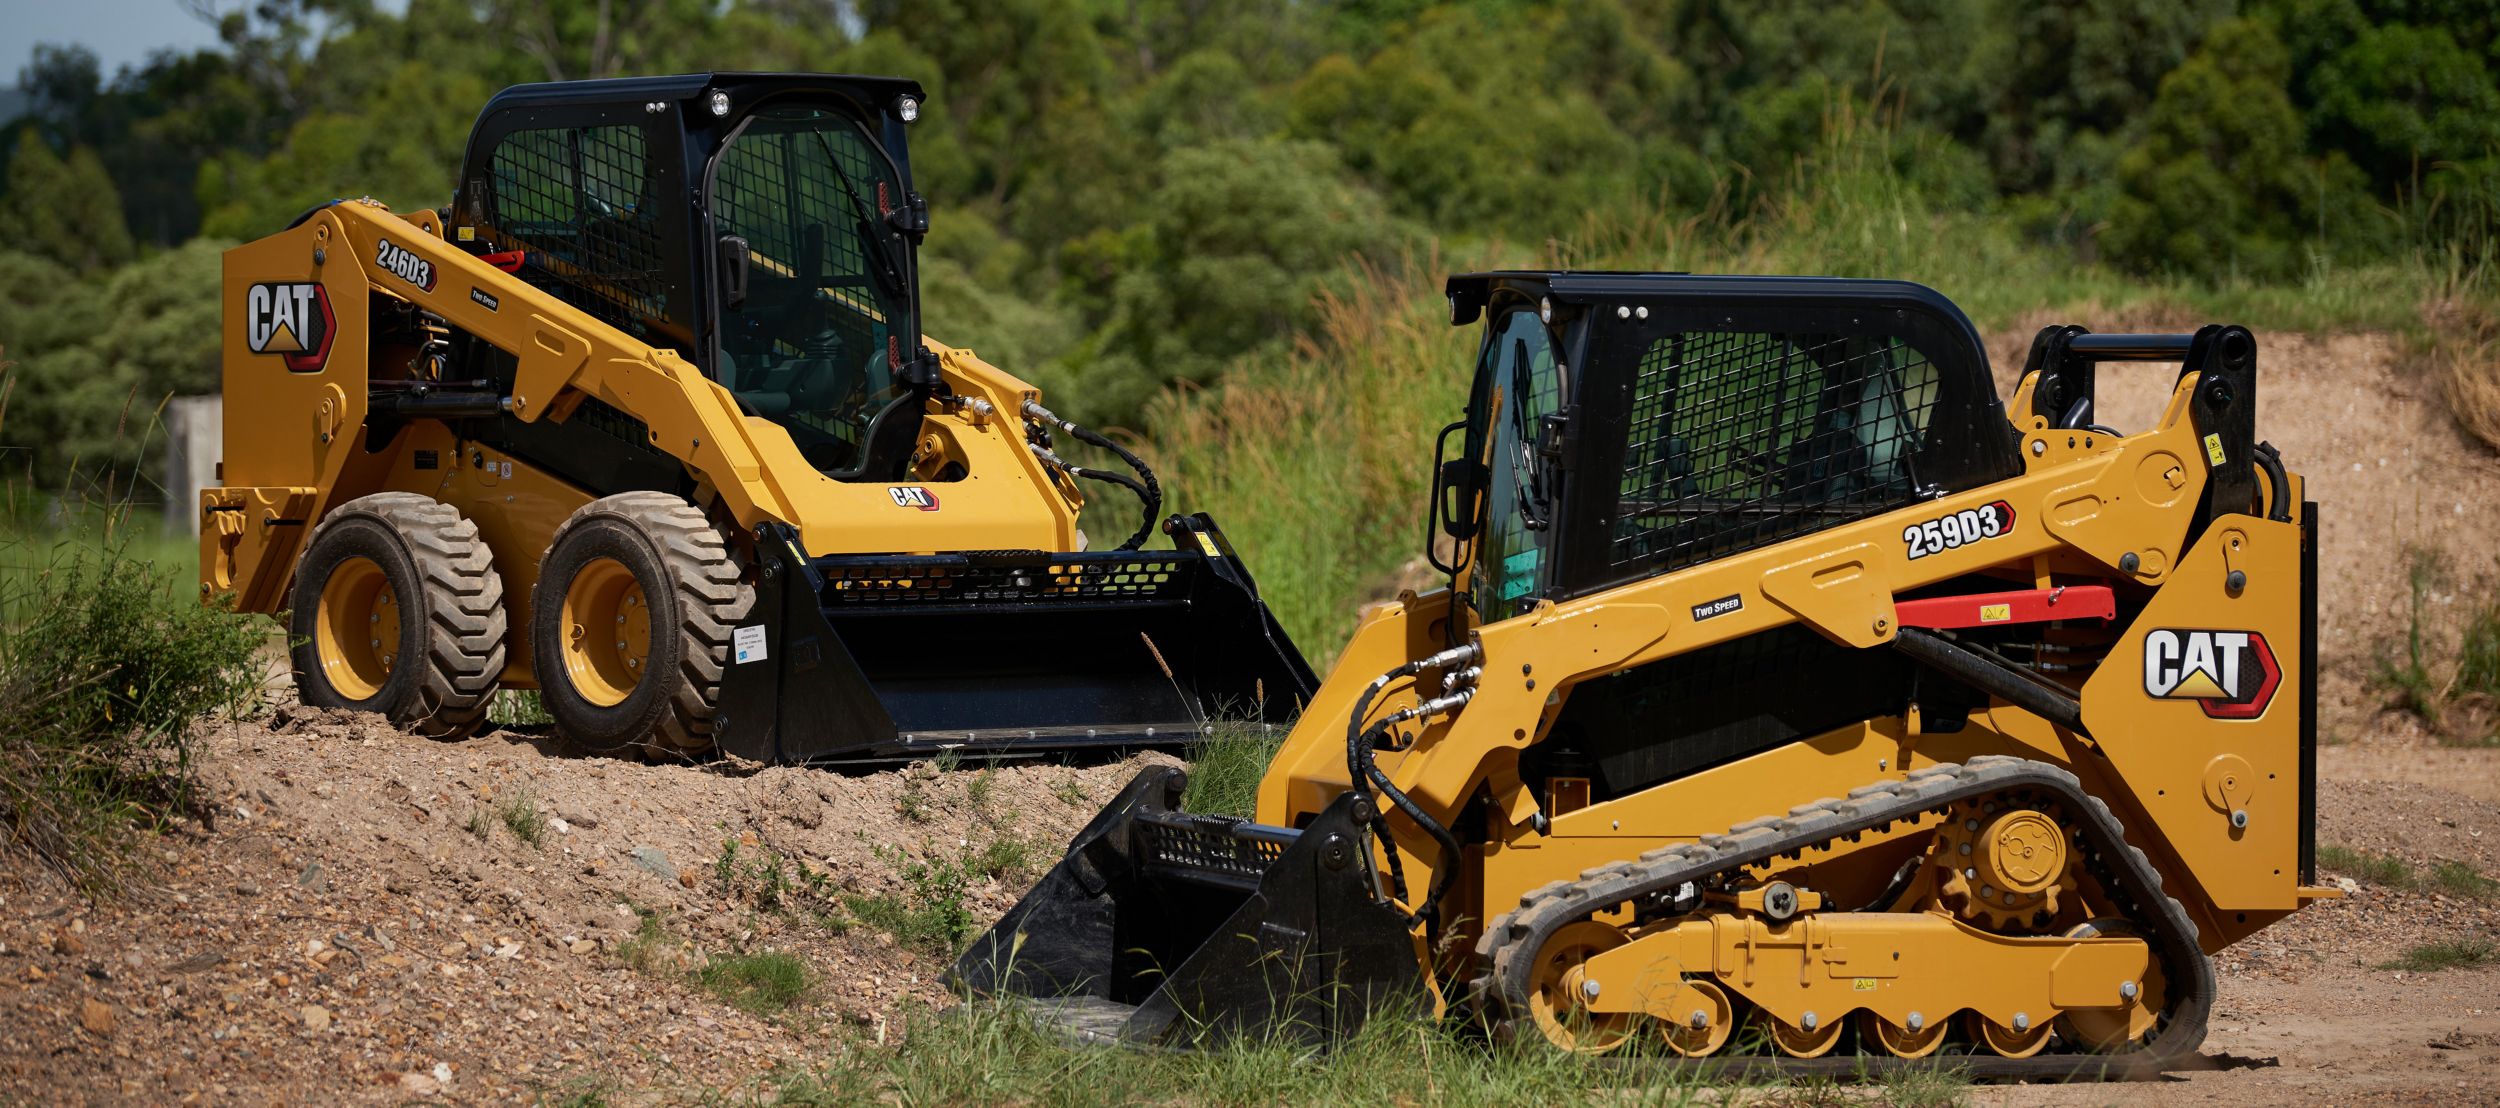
{"x": 1514, "y": 416}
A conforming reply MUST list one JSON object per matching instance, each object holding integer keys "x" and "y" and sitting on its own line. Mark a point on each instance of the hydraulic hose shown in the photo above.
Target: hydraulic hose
{"x": 1363, "y": 773}
{"x": 1149, "y": 491}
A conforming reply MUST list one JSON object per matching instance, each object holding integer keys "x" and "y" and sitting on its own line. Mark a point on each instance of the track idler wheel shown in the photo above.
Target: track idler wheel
{"x": 1702, "y": 1026}
{"x": 1557, "y": 1003}
{"x": 1902, "y": 1041}
{"x": 2109, "y": 1030}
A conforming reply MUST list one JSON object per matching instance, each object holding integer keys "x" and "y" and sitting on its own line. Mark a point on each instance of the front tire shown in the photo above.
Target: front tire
{"x": 397, "y": 609}
{"x": 630, "y": 624}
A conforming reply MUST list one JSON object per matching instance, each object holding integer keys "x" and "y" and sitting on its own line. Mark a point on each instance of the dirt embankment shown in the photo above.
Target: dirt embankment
{"x": 367, "y": 920}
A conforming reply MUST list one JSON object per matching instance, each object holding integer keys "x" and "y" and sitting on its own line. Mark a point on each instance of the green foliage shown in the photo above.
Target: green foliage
{"x": 1225, "y": 769}
{"x": 2447, "y": 954}
{"x": 105, "y": 665}
{"x": 98, "y": 359}
{"x": 762, "y": 983}
{"x": 930, "y": 913}
{"x": 1234, "y": 244}
{"x": 2220, "y": 182}
{"x": 985, "y": 1052}
{"x": 64, "y": 211}
{"x": 2460, "y": 879}
{"x": 520, "y": 815}
{"x": 2377, "y": 869}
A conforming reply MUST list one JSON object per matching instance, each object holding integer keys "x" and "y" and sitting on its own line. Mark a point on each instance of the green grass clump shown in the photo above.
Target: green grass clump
{"x": 2447, "y": 875}
{"x": 2374, "y": 869}
{"x": 1225, "y": 768}
{"x": 761, "y": 983}
{"x": 930, "y": 915}
{"x": 2459, "y": 879}
{"x": 107, "y": 658}
{"x": 2449, "y": 954}
{"x": 520, "y": 815}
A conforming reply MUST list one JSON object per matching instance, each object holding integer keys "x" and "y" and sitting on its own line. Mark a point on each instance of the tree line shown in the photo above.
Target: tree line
{"x": 1134, "y": 195}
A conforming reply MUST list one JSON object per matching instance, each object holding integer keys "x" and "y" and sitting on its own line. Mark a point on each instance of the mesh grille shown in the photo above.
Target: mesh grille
{"x": 577, "y": 201}
{"x": 1742, "y": 439}
{"x": 954, "y": 582}
{"x": 1200, "y": 849}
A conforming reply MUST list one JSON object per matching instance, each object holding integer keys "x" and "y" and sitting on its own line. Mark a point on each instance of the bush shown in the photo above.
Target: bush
{"x": 105, "y": 665}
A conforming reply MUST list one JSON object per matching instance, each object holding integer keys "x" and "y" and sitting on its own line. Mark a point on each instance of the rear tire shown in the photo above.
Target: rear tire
{"x": 630, "y": 624}
{"x": 397, "y": 609}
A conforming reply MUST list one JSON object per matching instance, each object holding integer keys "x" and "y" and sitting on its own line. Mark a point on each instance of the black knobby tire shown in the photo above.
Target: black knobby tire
{"x": 450, "y": 648}
{"x": 696, "y": 598}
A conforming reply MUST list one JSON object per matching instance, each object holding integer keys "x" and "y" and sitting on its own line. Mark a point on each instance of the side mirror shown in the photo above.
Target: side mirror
{"x": 1461, "y": 484}
{"x": 735, "y": 261}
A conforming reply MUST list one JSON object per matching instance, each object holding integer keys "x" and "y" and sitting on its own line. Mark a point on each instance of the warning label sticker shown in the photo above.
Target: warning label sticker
{"x": 748, "y": 644}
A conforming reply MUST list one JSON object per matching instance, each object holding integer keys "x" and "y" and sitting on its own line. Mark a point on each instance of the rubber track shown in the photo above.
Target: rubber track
{"x": 1510, "y": 943}
{"x": 711, "y": 602}
{"x": 463, "y": 605}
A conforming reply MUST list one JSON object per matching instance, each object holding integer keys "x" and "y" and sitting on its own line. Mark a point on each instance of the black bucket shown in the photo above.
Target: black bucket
{"x": 878, "y": 657}
{"x": 1161, "y": 927}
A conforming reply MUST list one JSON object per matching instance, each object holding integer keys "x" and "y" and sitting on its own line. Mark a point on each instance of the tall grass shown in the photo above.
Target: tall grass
{"x": 104, "y": 667}
{"x": 1318, "y": 464}
{"x": 107, "y": 659}
{"x": 990, "y": 1052}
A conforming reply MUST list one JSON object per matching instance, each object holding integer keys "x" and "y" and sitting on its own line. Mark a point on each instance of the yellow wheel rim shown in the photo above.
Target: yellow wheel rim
{"x": 607, "y": 632}
{"x": 1901, "y": 1041}
{"x": 1556, "y": 1001}
{"x": 356, "y": 629}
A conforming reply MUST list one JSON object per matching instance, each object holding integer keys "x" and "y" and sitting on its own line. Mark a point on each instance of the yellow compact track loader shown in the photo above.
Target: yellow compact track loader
{"x": 1791, "y": 706}
{"x": 644, "y": 420}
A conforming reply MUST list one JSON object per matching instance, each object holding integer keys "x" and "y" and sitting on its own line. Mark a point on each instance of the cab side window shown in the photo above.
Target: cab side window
{"x": 578, "y": 202}
{"x": 1742, "y": 439}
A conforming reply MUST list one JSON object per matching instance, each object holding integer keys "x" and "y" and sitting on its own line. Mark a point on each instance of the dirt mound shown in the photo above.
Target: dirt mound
{"x": 367, "y": 916}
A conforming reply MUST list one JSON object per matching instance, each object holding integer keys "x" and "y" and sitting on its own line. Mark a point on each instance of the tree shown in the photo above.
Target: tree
{"x": 2220, "y": 182}
{"x": 63, "y": 210}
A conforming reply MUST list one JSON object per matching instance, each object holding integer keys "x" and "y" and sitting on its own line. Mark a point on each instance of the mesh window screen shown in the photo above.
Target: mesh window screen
{"x": 577, "y": 200}
{"x": 1743, "y": 439}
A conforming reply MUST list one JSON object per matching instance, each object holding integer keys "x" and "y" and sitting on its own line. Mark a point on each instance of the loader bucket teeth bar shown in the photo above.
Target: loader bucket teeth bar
{"x": 1161, "y": 927}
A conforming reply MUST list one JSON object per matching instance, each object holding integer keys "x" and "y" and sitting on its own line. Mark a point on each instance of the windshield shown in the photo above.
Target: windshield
{"x": 814, "y": 345}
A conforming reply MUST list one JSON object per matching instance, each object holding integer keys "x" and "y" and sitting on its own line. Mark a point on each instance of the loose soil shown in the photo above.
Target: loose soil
{"x": 359, "y": 922}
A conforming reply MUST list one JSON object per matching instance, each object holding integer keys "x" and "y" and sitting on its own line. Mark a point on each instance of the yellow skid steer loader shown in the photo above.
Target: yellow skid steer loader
{"x": 1791, "y": 706}
{"x": 644, "y": 420}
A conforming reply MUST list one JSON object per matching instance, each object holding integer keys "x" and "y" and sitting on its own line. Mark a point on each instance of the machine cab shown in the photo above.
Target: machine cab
{"x": 1626, "y": 425}
{"x": 763, "y": 226}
